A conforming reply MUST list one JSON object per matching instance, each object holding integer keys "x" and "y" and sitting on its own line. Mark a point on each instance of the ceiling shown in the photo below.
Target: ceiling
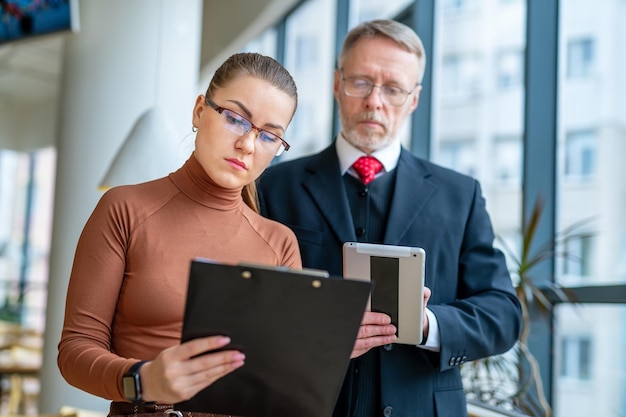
{"x": 29, "y": 71}
{"x": 30, "y": 76}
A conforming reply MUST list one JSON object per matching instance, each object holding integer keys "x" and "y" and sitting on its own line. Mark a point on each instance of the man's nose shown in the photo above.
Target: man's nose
{"x": 374, "y": 99}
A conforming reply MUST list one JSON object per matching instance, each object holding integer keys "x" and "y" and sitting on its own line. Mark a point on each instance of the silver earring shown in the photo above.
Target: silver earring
{"x": 194, "y": 129}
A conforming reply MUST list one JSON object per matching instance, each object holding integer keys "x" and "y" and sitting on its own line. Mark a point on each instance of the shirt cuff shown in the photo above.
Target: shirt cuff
{"x": 432, "y": 340}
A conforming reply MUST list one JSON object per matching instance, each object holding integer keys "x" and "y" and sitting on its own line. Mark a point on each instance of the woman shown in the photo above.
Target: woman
{"x": 125, "y": 300}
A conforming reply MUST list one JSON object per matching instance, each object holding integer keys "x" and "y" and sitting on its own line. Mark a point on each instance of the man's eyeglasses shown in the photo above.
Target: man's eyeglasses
{"x": 362, "y": 87}
{"x": 241, "y": 126}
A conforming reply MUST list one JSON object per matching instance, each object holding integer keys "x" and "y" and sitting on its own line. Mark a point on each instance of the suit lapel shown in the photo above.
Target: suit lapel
{"x": 412, "y": 191}
{"x": 324, "y": 183}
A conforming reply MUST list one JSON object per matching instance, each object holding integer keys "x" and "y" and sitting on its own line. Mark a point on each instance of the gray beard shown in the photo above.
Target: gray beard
{"x": 367, "y": 142}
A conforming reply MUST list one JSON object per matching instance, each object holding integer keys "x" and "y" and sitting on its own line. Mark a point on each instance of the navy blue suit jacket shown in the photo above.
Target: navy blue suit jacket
{"x": 442, "y": 212}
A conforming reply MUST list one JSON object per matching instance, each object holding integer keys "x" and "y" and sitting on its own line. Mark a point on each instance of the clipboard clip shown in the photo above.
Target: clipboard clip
{"x": 316, "y": 283}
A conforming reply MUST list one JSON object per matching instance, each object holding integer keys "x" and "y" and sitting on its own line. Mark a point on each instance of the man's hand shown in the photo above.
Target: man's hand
{"x": 376, "y": 330}
{"x": 427, "y": 293}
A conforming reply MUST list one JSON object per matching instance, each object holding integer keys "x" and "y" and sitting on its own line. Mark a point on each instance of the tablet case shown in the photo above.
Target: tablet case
{"x": 297, "y": 329}
{"x": 397, "y": 274}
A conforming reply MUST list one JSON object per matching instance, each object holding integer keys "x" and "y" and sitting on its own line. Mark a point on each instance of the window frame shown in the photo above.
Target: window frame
{"x": 539, "y": 165}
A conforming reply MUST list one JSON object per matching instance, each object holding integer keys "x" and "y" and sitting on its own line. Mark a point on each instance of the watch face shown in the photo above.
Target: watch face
{"x": 131, "y": 386}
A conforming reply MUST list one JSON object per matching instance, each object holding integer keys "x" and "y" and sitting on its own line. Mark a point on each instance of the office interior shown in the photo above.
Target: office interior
{"x": 528, "y": 96}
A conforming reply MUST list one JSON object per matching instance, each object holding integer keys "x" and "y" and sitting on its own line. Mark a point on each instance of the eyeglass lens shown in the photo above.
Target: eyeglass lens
{"x": 390, "y": 94}
{"x": 241, "y": 126}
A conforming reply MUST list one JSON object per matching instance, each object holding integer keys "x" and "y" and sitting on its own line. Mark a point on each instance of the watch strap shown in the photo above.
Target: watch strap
{"x": 134, "y": 368}
{"x": 133, "y": 372}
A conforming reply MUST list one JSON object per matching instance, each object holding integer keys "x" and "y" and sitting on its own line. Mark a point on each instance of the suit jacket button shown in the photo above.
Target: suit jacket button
{"x": 387, "y": 411}
{"x": 451, "y": 361}
{"x": 457, "y": 362}
{"x": 463, "y": 359}
{"x": 360, "y": 231}
{"x": 363, "y": 192}
{"x": 388, "y": 347}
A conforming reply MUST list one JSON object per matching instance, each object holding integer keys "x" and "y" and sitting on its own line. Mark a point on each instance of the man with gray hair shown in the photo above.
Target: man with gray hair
{"x": 366, "y": 187}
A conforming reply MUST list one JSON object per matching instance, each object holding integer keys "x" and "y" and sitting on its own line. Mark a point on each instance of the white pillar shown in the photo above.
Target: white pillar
{"x": 127, "y": 57}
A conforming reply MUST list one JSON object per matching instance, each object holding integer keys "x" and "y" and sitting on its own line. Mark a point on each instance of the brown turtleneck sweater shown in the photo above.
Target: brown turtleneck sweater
{"x": 127, "y": 289}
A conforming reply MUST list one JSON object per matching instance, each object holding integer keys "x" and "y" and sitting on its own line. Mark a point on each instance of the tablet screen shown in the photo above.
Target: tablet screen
{"x": 385, "y": 272}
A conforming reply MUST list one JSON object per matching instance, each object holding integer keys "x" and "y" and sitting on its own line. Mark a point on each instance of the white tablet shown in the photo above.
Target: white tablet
{"x": 397, "y": 273}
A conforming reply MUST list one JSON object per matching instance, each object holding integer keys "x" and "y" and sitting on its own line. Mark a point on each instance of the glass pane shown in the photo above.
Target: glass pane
{"x": 264, "y": 44}
{"x": 362, "y": 10}
{"x": 310, "y": 56}
{"x": 478, "y": 75}
{"x": 478, "y": 120}
{"x": 589, "y": 367}
{"x": 26, "y": 198}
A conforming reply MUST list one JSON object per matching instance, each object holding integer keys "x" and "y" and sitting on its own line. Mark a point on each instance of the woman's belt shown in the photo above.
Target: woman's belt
{"x": 148, "y": 410}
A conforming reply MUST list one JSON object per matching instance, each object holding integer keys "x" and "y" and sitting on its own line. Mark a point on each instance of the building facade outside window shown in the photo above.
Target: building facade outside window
{"x": 580, "y": 155}
{"x": 580, "y": 57}
{"x": 309, "y": 56}
{"x": 590, "y": 191}
{"x": 510, "y": 69}
{"x": 576, "y": 356}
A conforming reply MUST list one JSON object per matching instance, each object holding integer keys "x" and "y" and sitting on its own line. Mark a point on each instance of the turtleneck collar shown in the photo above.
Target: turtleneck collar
{"x": 193, "y": 181}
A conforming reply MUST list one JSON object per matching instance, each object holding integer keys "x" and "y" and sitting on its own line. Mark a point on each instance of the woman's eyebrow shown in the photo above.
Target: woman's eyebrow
{"x": 242, "y": 107}
{"x": 249, "y": 115}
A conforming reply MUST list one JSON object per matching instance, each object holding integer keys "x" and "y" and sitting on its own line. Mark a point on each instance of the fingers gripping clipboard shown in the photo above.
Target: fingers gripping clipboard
{"x": 296, "y": 328}
{"x": 397, "y": 274}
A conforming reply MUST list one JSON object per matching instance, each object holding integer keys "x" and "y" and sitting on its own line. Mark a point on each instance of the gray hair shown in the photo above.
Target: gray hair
{"x": 396, "y": 31}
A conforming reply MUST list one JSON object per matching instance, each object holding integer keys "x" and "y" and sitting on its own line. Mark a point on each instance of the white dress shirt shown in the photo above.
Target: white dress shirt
{"x": 388, "y": 156}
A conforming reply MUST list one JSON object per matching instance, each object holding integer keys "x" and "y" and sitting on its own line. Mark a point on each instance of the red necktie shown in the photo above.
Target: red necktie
{"x": 367, "y": 167}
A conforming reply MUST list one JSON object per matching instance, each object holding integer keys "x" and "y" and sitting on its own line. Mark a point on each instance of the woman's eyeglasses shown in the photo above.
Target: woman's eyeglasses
{"x": 241, "y": 126}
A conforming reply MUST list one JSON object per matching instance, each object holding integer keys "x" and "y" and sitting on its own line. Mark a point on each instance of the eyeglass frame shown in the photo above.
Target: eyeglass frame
{"x": 371, "y": 89}
{"x": 284, "y": 146}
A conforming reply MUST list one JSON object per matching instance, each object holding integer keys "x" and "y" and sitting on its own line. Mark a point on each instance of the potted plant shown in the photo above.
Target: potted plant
{"x": 511, "y": 381}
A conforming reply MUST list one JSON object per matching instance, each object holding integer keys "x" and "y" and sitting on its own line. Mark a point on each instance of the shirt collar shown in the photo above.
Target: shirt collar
{"x": 348, "y": 154}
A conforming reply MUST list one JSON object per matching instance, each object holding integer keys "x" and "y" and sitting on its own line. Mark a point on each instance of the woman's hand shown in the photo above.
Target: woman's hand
{"x": 176, "y": 375}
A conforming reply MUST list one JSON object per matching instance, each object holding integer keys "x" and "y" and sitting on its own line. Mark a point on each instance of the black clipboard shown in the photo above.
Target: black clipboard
{"x": 296, "y": 327}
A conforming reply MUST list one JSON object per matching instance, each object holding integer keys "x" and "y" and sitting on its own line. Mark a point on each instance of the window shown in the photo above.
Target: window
{"x": 622, "y": 261}
{"x": 484, "y": 134}
{"x": 580, "y": 57}
{"x": 362, "y": 10}
{"x": 577, "y": 256}
{"x": 580, "y": 158}
{"x": 306, "y": 51}
{"x": 508, "y": 161}
{"x": 26, "y": 195}
{"x": 460, "y": 74}
{"x": 510, "y": 68}
{"x": 309, "y": 57}
{"x": 457, "y": 4}
{"x": 576, "y": 357}
{"x": 459, "y": 155}
{"x": 264, "y": 44}
{"x": 586, "y": 117}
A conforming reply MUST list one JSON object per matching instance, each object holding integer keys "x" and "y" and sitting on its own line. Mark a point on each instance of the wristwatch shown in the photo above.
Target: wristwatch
{"x": 132, "y": 384}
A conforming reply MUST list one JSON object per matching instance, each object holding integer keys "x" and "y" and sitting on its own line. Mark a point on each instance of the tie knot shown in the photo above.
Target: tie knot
{"x": 367, "y": 167}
